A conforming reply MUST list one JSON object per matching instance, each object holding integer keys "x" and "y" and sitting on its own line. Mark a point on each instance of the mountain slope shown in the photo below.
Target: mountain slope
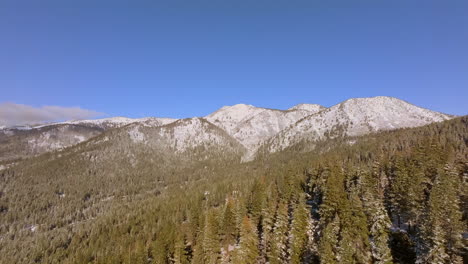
{"x": 69, "y": 207}
{"x": 354, "y": 117}
{"x": 247, "y": 127}
{"x": 186, "y": 140}
{"x": 20, "y": 142}
{"x": 115, "y": 122}
{"x": 229, "y": 117}
{"x": 252, "y": 126}
{"x": 315, "y": 108}
{"x": 183, "y": 136}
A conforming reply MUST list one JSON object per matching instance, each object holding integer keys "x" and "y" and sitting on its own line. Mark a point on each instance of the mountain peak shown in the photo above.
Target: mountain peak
{"x": 355, "y": 117}
{"x": 228, "y": 117}
{"x": 308, "y": 107}
{"x": 237, "y": 108}
{"x": 375, "y": 99}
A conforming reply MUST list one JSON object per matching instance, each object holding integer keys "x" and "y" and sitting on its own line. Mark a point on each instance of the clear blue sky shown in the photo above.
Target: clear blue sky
{"x": 188, "y": 58}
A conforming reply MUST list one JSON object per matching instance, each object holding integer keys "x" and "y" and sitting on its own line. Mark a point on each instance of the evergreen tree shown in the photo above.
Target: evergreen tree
{"x": 160, "y": 252}
{"x": 247, "y": 251}
{"x": 278, "y": 243}
{"x": 299, "y": 231}
{"x": 198, "y": 254}
{"x": 180, "y": 253}
{"x": 353, "y": 246}
{"x": 444, "y": 227}
{"x": 329, "y": 240}
{"x": 377, "y": 218}
{"x": 257, "y": 199}
{"x": 229, "y": 229}
{"x": 211, "y": 241}
{"x": 268, "y": 215}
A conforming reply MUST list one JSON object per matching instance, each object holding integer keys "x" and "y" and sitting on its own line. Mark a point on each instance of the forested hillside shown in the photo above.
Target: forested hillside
{"x": 389, "y": 197}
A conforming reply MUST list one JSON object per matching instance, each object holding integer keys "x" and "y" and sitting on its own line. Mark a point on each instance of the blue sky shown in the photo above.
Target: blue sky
{"x": 188, "y": 58}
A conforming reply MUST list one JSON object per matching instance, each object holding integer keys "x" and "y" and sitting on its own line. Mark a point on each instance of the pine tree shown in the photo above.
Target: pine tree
{"x": 407, "y": 194}
{"x": 278, "y": 243}
{"x": 329, "y": 240}
{"x": 444, "y": 227}
{"x": 257, "y": 199}
{"x": 344, "y": 224}
{"x": 353, "y": 246}
{"x": 247, "y": 252}
{"x": 211, "y": 241}
{"x": 180, "y": 254}
{"x": 299, "y": 231}
{"x": 198, "y": 254}
{"x": 333, "y": 196}
{"x": 229, "y": 229}
{"x": 267, "y": 223}
{"x": 160, "y": 251}
{"x": 377, "y": 218}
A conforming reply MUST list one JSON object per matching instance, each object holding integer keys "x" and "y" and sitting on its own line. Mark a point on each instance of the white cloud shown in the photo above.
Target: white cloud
{"x": 19, "y": 114}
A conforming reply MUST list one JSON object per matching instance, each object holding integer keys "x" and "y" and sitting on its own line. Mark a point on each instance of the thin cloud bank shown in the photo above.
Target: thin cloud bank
{"x": 19, "y": 114}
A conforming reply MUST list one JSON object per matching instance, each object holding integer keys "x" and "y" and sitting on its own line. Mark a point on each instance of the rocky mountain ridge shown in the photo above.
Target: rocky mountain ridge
{"x": 241, "y": 127}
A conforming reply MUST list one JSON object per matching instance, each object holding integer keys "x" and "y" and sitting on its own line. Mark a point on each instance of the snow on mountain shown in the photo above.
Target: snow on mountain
{"x": 23, "y": 141}
{"x": 17, "y": 143}
{"x": 239, "y": 128}
{"x": 155, "y": 121}
{"x": 355, "y": 117}
{"x": 315, "y": 108}
{"x": 183, "y": 135}
{"x": 251, "y": 125}
{"x": 114, "y": 122}
{"x": 252, "y": 133}
{"x": 229, "y": 117}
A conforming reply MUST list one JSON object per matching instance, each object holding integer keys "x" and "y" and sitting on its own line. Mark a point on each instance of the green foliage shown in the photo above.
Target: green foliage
{"x": 279, "y": 238}
{"x": 300, "y": 225}
{"x": 444, "y": 227}
{"x": 392, "y": 197}
{"x": 247, "y": 252}
{"x": 211, "y": 239}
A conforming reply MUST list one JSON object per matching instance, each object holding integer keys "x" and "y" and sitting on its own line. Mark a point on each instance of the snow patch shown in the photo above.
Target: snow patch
{"x": 79, "y": 138}
{"x": 33, "y": 228}
{"x": 136, "y": 135}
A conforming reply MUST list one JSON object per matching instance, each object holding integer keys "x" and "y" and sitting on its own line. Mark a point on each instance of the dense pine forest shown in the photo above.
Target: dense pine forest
{"x": 389, "y": 197}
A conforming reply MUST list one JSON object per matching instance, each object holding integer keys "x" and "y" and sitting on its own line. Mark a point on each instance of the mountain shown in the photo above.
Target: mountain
{"x": 184, "y": 141}
{"x": 315, "y": 108}
{"x": 25, "y": 141}
{"x": 114, "y": 122}
{"x": 229, "y": 117}
{"x": 19, "y": 143}
{"x": 184, "y": 136}
{"x": 118, "y": 198}
{"x": 354, "y": 117}
{"x": 252, "y": 126}
{"x": 156, "y": 190}
{"x": 243, "y": 128}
